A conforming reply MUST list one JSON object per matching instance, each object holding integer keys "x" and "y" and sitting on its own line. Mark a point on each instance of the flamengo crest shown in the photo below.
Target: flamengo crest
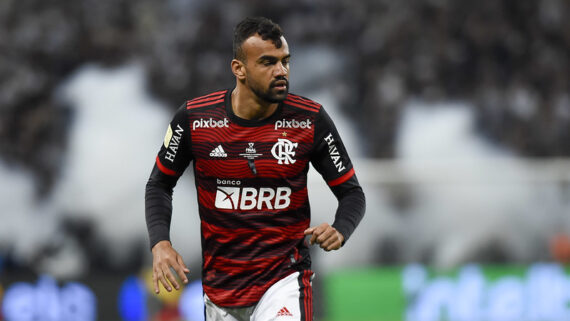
{"x": 283, "y": 151}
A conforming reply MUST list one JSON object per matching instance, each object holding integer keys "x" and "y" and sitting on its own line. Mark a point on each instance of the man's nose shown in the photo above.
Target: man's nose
{"x": 280, "y": 69}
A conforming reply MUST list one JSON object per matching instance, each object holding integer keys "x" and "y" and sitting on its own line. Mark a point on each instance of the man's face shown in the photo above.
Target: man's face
{"x": 267, "y": 68}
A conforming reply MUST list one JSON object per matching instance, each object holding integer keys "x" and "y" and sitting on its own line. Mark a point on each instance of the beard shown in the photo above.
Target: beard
{"x": 270, "y": 94}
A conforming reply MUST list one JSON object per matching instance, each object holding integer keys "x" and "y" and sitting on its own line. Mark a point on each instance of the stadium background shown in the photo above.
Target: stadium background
{"x": 456, "y": 114}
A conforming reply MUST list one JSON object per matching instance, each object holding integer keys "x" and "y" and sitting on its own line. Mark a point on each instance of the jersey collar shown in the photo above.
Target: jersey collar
{"x": 249, "y": 122}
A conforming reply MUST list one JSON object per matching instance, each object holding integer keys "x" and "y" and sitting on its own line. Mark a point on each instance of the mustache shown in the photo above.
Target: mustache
{"x": 280, "y": 78}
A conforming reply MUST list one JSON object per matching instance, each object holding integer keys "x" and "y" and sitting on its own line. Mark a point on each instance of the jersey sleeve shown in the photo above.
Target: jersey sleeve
{"x": 331, "y": 160}
{"x": 330, "y": 157}
{"x": 172, "y": 159}
{"x": 174, "y": 154}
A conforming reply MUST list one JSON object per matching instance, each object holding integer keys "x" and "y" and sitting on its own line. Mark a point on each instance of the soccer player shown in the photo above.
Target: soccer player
{"x": 250, "y": 148}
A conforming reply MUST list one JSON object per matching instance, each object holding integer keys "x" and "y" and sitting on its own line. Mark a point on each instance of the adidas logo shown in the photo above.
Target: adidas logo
{"x": 218, "y": 152}
{"x": 284, "y": 313}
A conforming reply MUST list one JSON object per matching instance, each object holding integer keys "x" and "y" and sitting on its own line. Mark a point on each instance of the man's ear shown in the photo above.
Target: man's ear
{"x": 238, "y": 68}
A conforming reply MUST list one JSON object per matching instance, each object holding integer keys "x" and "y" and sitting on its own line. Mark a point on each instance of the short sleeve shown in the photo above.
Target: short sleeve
{"x": 330, "y": 157}
{"x": 175, "y": 154}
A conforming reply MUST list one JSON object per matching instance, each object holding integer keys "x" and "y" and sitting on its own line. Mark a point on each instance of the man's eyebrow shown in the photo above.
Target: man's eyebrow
{"x": 271, "y": 58}
{"x": 267, "y": 58}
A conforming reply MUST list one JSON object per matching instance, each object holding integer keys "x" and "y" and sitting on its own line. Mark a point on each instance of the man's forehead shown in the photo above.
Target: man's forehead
{"x": 256, "y": 47}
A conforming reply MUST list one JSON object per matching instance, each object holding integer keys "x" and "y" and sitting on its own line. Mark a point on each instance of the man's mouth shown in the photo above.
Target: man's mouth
{"x": 279, "y": 84}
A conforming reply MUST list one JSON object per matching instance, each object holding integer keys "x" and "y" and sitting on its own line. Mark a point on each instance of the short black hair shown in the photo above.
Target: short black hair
{"x": 248, "y": 27}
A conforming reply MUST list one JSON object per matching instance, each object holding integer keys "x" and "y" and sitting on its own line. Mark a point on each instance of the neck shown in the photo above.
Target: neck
{"x": 246, "y": 105}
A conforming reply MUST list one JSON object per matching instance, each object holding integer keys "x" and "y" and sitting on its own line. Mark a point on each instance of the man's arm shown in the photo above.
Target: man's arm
{"x": 158, "y": 205}
{"x": 331, "y": 160}
{"x": 351, "y": 208}
{"x": 173, "y": 158}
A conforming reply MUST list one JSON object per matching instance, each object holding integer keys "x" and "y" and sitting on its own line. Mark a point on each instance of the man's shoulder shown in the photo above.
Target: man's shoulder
{"x": 298, "y": 101}
{"x": 211, "y": 99}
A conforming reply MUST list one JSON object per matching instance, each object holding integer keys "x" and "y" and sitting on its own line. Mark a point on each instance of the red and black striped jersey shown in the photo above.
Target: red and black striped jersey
{"x": 251, "y": 179}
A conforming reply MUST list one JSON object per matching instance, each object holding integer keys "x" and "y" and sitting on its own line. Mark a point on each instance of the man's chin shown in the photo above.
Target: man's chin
{"x": 277, "y": 97}
{"x": 280, "y": 95}
{"x": 273, "y": 95}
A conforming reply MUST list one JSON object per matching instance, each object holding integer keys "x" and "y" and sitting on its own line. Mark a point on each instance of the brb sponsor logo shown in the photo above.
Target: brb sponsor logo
{"x": 248, "y": 198}
{"x": 293, "y": 123}
{"x": 210, "y": 123}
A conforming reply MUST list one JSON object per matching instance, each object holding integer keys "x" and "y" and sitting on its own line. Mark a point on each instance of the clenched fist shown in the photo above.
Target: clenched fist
{"x": 326, "y": 236}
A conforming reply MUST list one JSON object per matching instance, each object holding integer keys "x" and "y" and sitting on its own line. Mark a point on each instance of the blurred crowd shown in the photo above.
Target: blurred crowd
{"x": 508, "y": 58}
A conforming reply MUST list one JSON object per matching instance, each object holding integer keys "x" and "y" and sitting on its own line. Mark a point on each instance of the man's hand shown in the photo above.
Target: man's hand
{"x": 326, "y": 236}
{"x": 164, "y": 257}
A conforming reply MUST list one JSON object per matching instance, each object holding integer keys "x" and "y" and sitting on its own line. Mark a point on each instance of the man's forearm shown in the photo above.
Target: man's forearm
{"x": 351, "y": 207}
{"x": 158, "y": 209}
